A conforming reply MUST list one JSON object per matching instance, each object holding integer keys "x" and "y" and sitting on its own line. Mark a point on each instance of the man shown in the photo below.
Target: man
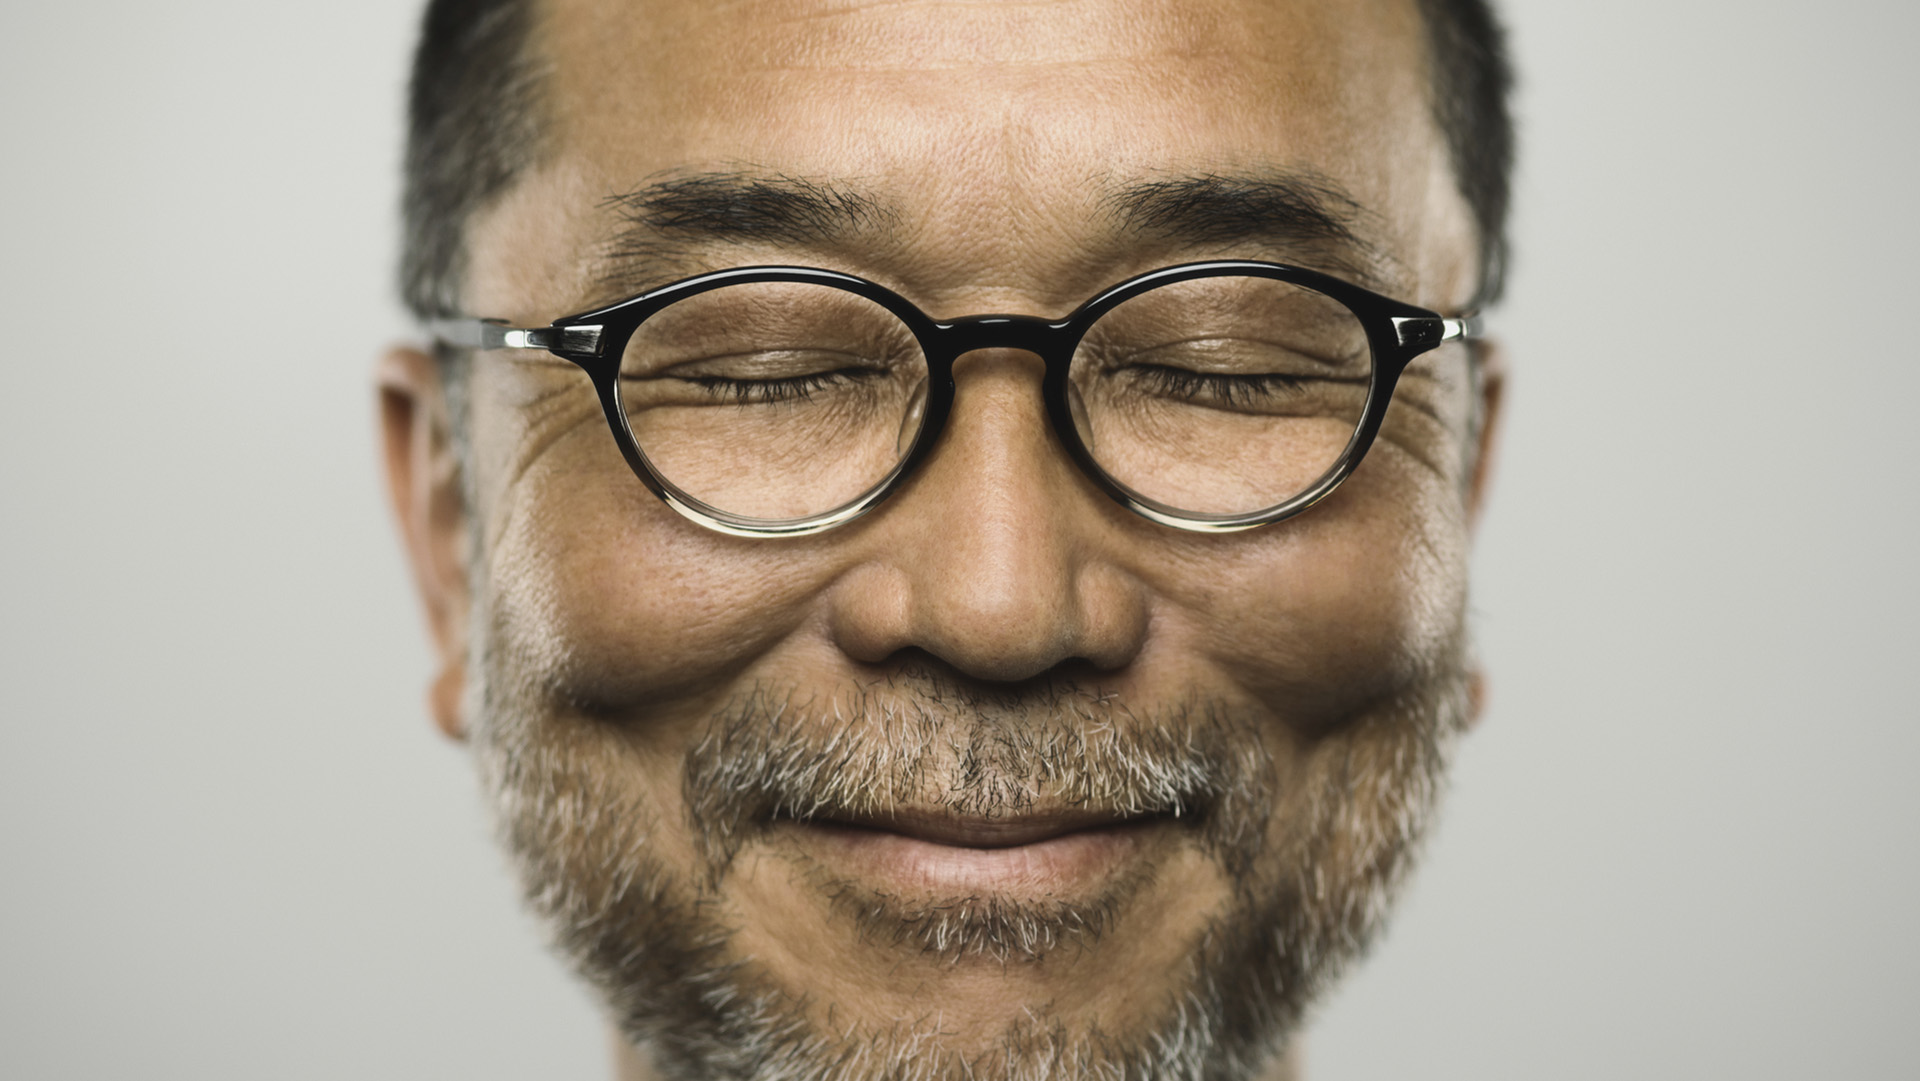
{"x": 871, "y": 689}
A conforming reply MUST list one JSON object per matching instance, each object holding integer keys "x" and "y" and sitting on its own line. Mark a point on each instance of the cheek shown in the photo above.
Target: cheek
{"x": 601, "y": 595}
{"x": 1351, "y": 602}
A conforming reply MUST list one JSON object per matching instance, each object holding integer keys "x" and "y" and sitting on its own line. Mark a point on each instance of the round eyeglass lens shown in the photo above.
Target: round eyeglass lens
{"x": 773, "y": 400}
{"x": 1222, "y": 395}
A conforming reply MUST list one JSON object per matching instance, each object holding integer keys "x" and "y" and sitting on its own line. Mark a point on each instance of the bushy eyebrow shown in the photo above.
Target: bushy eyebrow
{"x": 662, "y": 219}
{"x": 1288, "y": 210}
{"x": 746, "y": 206}
{"x": 663, "y": 223}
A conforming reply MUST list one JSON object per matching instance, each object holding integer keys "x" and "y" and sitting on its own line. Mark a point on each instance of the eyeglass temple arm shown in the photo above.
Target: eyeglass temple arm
{"x": 497, "y": 334}
{"x": 1429, "y": 332}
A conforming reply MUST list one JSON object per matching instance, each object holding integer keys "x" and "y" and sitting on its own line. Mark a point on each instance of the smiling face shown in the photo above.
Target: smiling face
{"x": 1000, "y": 777}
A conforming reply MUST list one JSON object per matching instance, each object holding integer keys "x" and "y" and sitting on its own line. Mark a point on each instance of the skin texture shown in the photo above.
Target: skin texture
{"x": 590, "y": 638}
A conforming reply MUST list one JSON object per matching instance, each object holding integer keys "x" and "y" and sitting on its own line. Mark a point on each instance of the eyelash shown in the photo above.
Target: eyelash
{"x": 1176, "y": 382}
{"x": 1230, "y": 389}
{"x": 764, "y": 391}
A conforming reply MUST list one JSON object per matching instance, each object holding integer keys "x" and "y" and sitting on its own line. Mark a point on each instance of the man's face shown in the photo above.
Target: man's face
{"x": 1000, "y": 777}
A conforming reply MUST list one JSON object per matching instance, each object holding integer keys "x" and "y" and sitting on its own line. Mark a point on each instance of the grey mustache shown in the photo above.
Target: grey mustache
{"x": 876, "y": 752}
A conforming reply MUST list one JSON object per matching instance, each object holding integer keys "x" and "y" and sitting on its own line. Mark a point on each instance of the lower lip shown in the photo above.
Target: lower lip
{"x": 1062, "y": 865}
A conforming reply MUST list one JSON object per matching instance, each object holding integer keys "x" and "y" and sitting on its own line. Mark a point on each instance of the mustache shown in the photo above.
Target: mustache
{"x": 918, "y": 742}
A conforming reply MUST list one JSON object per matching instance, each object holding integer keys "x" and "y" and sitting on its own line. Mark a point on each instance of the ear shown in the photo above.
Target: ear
{"x": 1491, "y": 358}
{"x": 1491, "y": 362}
{"x": 424, "y": 486}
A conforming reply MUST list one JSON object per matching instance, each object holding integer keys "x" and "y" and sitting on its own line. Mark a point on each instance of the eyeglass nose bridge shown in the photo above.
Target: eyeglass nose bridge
{"x": 1029, "y": 333}
{"x": 1052, "y": 341}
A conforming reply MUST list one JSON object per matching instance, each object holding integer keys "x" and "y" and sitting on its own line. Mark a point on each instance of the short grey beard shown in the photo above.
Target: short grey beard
{"x": 1311, "y": 887}
{"x": 955, "y": 929}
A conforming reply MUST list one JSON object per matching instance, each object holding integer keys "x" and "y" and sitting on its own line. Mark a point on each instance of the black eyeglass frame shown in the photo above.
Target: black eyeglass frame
{"x": 595, "y": 341}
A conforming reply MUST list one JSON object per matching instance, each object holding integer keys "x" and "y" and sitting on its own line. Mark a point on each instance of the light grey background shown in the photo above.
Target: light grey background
{"x": 1682, "y": 844}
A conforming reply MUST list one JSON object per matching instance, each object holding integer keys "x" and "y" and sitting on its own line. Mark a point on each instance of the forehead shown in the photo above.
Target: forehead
{"x": 977, "y": 75}
{"x": 991, "y": 127}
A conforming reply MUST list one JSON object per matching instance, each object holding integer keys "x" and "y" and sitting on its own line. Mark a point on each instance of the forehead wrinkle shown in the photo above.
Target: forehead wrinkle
{"x": 1199, "y": 43}
{"x": 908, "y": 36}
{"x": 1005, "y": 159}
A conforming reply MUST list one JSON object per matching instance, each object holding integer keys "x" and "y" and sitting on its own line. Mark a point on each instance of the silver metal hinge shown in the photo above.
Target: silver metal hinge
{"x": 561, "y": 340}
{"x": 1427, "y": 331}
{"x": 1418, "y": 331}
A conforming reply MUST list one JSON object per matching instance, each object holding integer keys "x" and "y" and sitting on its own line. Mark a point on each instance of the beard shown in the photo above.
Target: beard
{"x": 1314, "y": 831}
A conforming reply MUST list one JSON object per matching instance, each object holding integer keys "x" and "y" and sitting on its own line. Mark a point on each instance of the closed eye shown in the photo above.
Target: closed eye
{"x": 1218, "y": 388}
{"x": 790, "y": 388}
{"x": 760, "y": 376}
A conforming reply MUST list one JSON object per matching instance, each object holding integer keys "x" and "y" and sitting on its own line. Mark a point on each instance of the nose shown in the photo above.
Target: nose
{"x": 998, "y": 558}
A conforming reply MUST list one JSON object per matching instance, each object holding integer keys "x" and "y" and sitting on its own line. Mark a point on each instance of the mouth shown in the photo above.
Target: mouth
{"x": 1058, "y": 853}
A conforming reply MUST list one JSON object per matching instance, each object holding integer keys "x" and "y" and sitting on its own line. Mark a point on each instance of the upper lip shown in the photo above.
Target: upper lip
{"x": 974, "y": 831}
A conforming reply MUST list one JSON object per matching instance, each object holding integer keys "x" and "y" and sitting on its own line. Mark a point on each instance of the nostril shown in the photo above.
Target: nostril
{"x": 1004, "y": 660}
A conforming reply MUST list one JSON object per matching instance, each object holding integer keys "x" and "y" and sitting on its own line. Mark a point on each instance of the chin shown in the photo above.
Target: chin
{"x": 917, "y": 886}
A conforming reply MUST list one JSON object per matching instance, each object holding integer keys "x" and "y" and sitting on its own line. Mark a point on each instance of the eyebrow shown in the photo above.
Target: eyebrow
{"x": 660, "y": 220}
{"x": 1292, "y": 210}
{"x": 662, "y": 224}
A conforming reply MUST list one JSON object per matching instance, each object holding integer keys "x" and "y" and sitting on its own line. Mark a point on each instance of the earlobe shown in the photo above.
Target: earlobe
{"x": 1491, "y": 358}
{"x": 447, "y": 696}
{"x": 425, "y": 491}
{"x": 1476, "y": 696}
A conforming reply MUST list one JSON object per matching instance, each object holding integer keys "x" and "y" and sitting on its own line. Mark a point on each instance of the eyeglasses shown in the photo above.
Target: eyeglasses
{"x": 781, "y": 401}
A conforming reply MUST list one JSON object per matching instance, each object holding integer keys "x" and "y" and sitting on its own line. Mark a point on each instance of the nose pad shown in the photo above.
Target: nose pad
{"x": 915, "y": 416}
{"x": 1077, "y": 409}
